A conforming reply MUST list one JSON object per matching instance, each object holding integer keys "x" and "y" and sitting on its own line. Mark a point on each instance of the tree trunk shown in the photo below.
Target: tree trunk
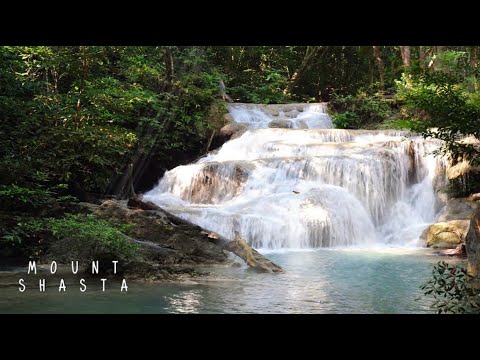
{"x": 422, "y": 54}
{"x": 223, "y": 92}
{"x": 126, "y": 190}
{"x": 169, "y": 69}
{"x": 474, "y": 64}
{"x": 371, "y": 70}
{"x": 306, "y": 64}
{"x": 378, "y": 58}
{"x": 406, "y": 57}
{"x": 436, "y": 63}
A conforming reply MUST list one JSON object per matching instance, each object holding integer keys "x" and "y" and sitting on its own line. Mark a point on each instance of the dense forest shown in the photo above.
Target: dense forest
{"x": 80, "y": 123}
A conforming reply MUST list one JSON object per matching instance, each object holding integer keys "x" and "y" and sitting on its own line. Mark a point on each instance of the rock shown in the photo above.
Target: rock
{"x": 458, "y": 251}
{"x": 140, "y": 270}
{"x": 232, "y": 129}
{"x": 472, "y": 245}
{"x": 166, "y": 240}
{"x": 292, "y": 113}
{"x": 252, "y": 257}
{"x": 461, "y": 168}
{"x": 282, "y": 123}
{"x": 228, "y": 118}
{"x": 457, "y": 209}
{"x": 475, "y": 197}
{"x": 138, "y": 203}
{"x": 162, "y": 241}
{"x": 446, "y": 235}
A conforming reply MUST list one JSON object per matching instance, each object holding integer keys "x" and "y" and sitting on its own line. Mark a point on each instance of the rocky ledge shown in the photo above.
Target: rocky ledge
{"x": 458, "y": 231}
{"x": 171, "y": 248}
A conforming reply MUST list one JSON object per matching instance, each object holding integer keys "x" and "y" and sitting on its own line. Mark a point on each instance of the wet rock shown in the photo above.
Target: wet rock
{"x": 149, "y": 271}
{"x": 292, "y": 113}
{"x": 284, "y": 124}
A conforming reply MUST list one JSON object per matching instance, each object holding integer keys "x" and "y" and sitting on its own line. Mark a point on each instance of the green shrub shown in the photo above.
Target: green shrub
{"x": 396, "y": 124}
{"x": 28, "y": 199}
{"x": 346, "y": 120}
{"x": 357, "y": 111}
{"x": 86, "y": 238}
{"x": 15, "y": 197}
{"x": 441, "y": 107}
{"x": 22, "y": 236}
{"x": 452, "y": 290}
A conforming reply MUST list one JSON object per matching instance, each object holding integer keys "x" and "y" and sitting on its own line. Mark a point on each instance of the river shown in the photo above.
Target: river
{"x": 383, "y": 280}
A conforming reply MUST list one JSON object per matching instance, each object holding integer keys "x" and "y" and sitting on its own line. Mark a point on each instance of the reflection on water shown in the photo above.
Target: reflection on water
{"x": 320, "y": 281}
{"x": 185, "y": 302}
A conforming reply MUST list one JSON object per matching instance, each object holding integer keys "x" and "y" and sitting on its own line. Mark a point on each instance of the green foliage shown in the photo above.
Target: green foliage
{"x": 452, "y": 290}
{"x": 22, "y": 236}
{"x": 396, "y": 124}
{"x": 83, "y": 237}
{"x": 19, "y": 198}
{"x": 79, "y": 113}
{"x": 265, "y": 87}
{"x": 14, "y": 197}
{"x": 87, "y": 238}
{"x": 441, "y": 107}
{"x": 346, "y": 120}
{"x": 356, "y": 111}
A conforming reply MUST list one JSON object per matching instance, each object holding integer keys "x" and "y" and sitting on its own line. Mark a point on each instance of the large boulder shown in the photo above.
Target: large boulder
{"x": 446, "y": 235}
{"x": 454, "y": 224}
{"x": 160, "y": 240}
{"x": 171, "y": 247}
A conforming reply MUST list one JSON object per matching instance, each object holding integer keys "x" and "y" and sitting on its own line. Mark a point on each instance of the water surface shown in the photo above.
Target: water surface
{"x": 317, "y": 281}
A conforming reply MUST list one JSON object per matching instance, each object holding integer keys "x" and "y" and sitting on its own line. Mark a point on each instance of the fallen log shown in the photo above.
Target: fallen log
{"x": 238, "y": 246}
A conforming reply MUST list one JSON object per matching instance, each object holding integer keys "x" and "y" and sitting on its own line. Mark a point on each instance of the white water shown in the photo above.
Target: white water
{"x": 307, "y": 185}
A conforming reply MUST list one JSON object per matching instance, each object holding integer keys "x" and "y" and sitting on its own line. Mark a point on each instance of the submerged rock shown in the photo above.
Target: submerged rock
{"x": 281, "y": 123}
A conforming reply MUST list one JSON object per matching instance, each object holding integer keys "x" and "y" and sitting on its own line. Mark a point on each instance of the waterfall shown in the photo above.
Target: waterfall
{"x": 292, "y": 181}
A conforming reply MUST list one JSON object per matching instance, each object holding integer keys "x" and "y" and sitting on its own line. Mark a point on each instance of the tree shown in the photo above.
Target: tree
{"x": 406, "y": 58}
{"x": 378, "y": 58}
{"x": 307, "y": 61}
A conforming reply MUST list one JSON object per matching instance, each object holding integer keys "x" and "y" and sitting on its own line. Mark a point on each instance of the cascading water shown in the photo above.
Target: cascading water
{"x": 292, "y": 181}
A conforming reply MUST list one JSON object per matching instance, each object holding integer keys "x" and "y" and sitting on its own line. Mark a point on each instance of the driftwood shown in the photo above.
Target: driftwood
{"x": 238, "y": 246}
{"x": 223, "y": 92}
